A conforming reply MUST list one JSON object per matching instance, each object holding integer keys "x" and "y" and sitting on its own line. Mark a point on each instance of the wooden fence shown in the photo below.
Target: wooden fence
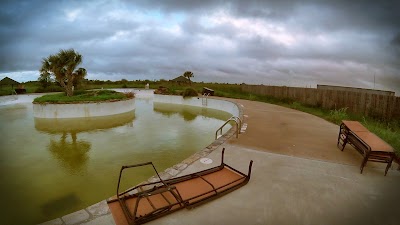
{"x": 386, "y": 107}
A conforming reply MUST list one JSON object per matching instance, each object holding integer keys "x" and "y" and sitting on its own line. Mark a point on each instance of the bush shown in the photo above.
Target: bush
{"x": 129, "y": 94}
{"x": 81, "y": 96}
{"x": 189, "y": 92}
{"x": 338, "y": 115}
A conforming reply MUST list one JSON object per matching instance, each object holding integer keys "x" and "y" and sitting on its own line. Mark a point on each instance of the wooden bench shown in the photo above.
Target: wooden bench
{"x": 370, "y": 146}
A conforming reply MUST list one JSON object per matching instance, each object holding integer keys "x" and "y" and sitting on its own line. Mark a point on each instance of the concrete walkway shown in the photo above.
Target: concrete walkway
{"x": 299, "y": 177}
{"x": 286, "y": 131}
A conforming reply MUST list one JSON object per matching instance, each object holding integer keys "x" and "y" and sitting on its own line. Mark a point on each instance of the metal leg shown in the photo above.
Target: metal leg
{"x": 342, "y": 137}
{"x": 389, "y": 165}
{"x": 364, "y": 163}
{"x": 344, "y": 143}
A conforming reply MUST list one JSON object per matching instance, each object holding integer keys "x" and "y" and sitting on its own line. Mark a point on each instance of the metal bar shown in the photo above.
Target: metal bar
{"x": 169, "y": 203}
{"x": 216, "y": 189}
{"x": 226, "y": 122}
{"x": 151, "y": 203}
{"x": 156, "y": 213}
{"x": 222, "y": 156}
{"x": 237, "y": 171}
{"x": 207, "y": 183}
{"x": 240, "y": 121}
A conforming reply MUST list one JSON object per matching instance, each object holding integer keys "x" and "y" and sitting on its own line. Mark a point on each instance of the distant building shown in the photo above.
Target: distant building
{"x": 353, "y": 89}
{"x": 8, "y": 81}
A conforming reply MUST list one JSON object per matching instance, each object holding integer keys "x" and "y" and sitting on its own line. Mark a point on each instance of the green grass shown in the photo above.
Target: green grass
{"x": 82, "y": 96}
{"x": 387, "y": 130}
{"x": 5, "y": 91}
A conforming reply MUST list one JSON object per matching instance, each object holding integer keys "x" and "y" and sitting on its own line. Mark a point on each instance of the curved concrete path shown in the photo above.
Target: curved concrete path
{"x": 281, "y": 130}
{"x": 299, "y": 177}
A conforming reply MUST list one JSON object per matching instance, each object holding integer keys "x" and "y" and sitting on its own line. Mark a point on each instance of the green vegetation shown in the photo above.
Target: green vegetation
{"x": 189, "y": 92}
{"x": 83, "y": 96}
{"x": 63, "y": 67}
{"x": 387, "y": 130}
{"x": 188, "y": 75}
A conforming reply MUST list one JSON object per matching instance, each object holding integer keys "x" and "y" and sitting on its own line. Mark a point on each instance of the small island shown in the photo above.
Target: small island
{"x": 62, "y": 67}
{"x": 83, "y": 105}
{"x": 92, "y": 96}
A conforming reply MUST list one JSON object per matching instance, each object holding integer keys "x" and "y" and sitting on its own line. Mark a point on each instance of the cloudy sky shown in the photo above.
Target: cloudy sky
{"x": 292, "y": 43}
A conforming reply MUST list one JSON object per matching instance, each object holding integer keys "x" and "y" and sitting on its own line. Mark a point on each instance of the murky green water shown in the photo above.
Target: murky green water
{"x": 50, "y": 168}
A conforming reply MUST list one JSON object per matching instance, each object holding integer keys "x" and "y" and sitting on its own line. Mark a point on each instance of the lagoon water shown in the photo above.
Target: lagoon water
{"x": 49, "y": 168}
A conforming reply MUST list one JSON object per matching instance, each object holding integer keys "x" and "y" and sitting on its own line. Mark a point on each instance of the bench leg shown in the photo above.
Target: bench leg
{"x": 344, "y": 142}
{"x": 364, "y": 162}
{"x": 338, "y": 138}
{"x": 388, "y": 166}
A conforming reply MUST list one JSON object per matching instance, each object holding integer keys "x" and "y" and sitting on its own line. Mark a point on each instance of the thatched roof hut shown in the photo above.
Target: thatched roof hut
{"x": 180, "y": 80}
{"x": 8, "y": 81}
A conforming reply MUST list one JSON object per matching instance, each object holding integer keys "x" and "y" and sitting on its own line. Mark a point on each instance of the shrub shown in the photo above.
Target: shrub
{"x": 338, "y": 115}
{"x": 189, "y": 92}
{"x": 129, "y": 94}
{"x": 296, "y": 105}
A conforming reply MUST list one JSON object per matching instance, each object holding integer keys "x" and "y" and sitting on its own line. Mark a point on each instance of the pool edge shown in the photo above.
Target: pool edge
{"x": 101, "y": 209}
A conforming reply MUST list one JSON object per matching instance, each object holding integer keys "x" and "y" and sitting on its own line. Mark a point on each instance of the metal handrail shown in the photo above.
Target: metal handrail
{"x": 204, "y": 100}
{"x": 238, "y": 126}
{"x": 236, "y": 118}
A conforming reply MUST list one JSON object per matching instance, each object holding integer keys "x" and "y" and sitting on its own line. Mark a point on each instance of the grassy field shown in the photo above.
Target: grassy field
{"x": 82, "y": 96}
{"x": 387, "y": 130}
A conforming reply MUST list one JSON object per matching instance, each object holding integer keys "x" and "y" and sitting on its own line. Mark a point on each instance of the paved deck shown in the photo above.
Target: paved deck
{"x": 299, "y": 177}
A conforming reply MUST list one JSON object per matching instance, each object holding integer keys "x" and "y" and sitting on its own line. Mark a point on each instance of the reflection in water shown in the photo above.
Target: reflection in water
{"x": 73, "y": 154}
{"x": 54, "y": 126}
{"x": 36, "y": 155}
{"x": 188, "y": 113}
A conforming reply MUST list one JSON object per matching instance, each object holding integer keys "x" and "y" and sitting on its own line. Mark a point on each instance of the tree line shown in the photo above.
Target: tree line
{"x": 62, "y": 68}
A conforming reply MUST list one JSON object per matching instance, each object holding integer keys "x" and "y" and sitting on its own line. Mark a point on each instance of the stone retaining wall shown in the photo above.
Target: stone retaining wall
{"x": 57, "y": 111}
{"x": 226, "y": 106}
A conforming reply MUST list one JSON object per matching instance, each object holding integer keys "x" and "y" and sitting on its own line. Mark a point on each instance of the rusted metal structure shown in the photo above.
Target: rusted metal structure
{"x": 370, "y": 146}
{"x": 146, "y": 202}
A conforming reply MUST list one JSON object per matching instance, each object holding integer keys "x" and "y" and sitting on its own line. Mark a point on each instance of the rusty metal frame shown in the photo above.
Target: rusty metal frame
{"x": 162, "y": 186}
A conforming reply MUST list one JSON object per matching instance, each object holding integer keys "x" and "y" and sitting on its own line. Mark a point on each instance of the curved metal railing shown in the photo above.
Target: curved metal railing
{"x": 238, "y": 123}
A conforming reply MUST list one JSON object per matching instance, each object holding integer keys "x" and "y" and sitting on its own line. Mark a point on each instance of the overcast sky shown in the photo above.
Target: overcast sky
{"x": 292, "y": 43}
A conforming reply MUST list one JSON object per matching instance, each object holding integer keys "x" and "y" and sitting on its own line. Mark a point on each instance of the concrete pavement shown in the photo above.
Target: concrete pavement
{"x": 290, "y": 190}
{"x": 299, "y": 177}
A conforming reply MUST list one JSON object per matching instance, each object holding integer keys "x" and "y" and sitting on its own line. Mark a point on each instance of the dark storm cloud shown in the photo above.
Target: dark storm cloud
{"x": 272, "y": 42}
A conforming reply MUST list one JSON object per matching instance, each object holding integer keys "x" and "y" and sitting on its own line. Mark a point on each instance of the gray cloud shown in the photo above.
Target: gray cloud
{"x": 271, "y": 42}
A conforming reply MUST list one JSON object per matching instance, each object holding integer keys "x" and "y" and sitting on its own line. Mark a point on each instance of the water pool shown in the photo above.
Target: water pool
{"x": 50, "y": 168}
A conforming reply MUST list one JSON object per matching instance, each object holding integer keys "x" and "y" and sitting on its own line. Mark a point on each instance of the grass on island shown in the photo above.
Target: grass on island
{"x": 83, "y": 96}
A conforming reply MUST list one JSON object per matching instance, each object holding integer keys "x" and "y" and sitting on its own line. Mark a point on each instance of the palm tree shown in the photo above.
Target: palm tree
{"x": 188, "y": 75}
{"x": 63, "y": 67}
